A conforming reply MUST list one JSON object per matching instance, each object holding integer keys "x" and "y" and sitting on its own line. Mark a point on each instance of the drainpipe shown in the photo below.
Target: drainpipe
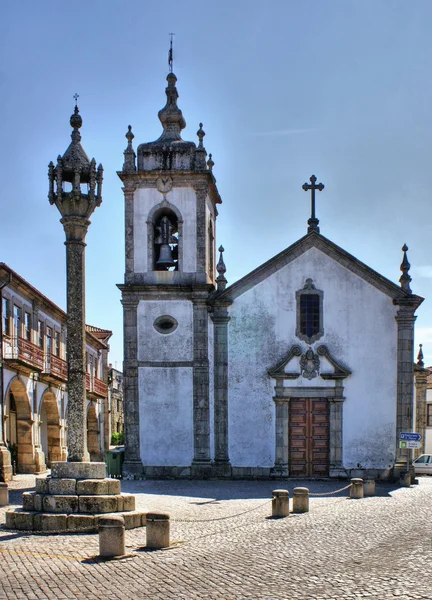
{"x": 2, "y": 285}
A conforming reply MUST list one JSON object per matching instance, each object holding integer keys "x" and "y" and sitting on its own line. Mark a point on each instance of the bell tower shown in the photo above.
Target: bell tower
{"x": 170, "y": 229}
{"x": 170, "y": 210}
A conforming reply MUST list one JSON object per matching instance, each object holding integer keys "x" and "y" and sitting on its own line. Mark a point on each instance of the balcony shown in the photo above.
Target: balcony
{"x": 96, "y": 387}
{"x": 18, "y": 352}
{"x": 55, "y": 367}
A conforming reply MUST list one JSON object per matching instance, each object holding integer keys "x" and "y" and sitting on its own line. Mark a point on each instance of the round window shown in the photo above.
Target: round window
{"x": 165, "y": 324}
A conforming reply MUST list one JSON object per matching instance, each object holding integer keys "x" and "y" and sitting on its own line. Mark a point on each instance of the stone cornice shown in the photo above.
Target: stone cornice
{"x": 161, "y": 290}
{"x": 316, "y": 240}
{"x": 194, "y": 179}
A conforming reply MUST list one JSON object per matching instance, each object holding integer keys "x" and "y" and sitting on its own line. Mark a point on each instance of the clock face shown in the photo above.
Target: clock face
{"x": 164, "y": 184}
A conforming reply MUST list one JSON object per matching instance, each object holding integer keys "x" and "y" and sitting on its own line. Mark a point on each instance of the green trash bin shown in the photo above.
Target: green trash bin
{"x": 114, "y": 460}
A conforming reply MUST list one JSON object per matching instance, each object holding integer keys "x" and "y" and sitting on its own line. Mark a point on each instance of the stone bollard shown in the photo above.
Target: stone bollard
{"x": 301, "y": 500}
{"x": 280, "y": 503}
{"x": 158, "y": 530}
{"x": 356, "y": 491}
{"x": 4, "y": 494}
{"x": 369, "y": 487}
{"x": 405, "y": 479}
{"x": 112, "y": 536}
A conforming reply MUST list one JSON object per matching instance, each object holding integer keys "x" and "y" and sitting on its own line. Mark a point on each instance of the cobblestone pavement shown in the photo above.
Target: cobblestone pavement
{"x": 225, "y": 548}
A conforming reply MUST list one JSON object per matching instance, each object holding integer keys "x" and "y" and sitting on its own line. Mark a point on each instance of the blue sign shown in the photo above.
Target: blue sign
{"x": 410, "y": 437}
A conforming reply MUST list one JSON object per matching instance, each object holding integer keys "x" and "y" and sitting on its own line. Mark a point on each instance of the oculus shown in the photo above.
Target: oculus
{"x": 165, "y": 324}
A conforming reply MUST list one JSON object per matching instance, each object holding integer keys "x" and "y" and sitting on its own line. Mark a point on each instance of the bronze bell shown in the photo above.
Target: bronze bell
{"x": 165, "y": 257}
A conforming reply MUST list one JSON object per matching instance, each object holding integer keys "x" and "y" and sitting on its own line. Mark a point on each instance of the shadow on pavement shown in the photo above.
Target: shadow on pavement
{"x": 212, "y": 491}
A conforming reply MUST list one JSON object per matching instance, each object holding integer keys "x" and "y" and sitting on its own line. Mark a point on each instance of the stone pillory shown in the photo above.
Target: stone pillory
{"x": 75, "y": 187}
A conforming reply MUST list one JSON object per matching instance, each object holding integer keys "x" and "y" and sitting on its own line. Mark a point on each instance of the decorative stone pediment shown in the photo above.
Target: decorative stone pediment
{"x": 309, "y": 364}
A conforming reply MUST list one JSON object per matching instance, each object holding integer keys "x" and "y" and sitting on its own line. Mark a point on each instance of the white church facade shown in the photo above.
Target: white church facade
{"x": 302, "y": 368}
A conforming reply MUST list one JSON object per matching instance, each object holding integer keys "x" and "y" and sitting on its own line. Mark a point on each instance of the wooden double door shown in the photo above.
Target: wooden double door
{"x": 309, "y": 434}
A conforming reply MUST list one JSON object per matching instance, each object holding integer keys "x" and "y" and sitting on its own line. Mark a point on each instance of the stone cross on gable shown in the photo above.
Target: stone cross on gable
{"x": 312, "y": 186}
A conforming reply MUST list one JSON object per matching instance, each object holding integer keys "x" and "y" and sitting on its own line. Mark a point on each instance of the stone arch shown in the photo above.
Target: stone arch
{"x": 49, "y": 421}
{"x": 19, "y": 427}
{"x": 164, "y": 209}
{"x": 93, "y": 434}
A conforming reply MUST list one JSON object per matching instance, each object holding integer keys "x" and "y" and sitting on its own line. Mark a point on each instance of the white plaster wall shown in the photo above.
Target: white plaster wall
{"x": 360, "y": 331}
{"x": 155, "y": 346}
{"x": 166, "y": 409}
{"x": 185, "y": 201}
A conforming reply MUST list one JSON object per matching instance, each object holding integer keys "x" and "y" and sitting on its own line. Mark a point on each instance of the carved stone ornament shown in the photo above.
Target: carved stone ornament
{"x": 309, "y": 364}
{"x": 164, "y": 184}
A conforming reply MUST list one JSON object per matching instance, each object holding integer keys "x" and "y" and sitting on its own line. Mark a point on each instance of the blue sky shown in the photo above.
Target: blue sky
{"x": 337, "y": 88}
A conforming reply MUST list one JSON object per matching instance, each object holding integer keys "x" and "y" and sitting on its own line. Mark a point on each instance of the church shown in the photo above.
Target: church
{"x": 302, "y": 368}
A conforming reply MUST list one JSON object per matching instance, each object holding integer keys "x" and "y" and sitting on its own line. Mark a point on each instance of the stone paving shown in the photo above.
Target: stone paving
{"x": 224, "y": 547}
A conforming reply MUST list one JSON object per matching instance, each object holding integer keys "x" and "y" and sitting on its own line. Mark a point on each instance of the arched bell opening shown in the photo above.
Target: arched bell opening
{"x": 19, "y": 430}
{"x": 49, "y": 420}
{"x": 93, "y": 434}
{"x": 166, "y": 242}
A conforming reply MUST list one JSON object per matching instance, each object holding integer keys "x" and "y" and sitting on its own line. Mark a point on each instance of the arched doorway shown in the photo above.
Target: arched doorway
{"x": 93, "y": 434}
{"x": 49, "y": 419}
{"x": 19, "y": 431}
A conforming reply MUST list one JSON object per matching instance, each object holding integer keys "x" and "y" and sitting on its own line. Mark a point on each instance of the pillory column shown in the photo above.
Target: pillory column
{"x": 78, "y": 191}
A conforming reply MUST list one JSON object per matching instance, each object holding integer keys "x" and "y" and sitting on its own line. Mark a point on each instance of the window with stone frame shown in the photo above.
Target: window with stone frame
{"x": 429, "y": 415}
{"x": 49, "y": 340}
{"x": 5, "y": 316}
{"x": 309, "y": 313}
{"x": 27, "y": 326}
{"x": 16, "y": 321}
{"x": 56, "y": 349}
{"x": 40, "y": 334}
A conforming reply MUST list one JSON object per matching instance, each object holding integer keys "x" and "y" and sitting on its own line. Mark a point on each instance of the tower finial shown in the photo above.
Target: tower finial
{"x": 405, "y": 279}
{"x": 129, "y": 154}
{"x": 420, "y": 356}
{"x": 210, "y": 164}
{"x": 170, "y": 53}
{"x": 75, "y": 97}
{"x": 221, "y": 269}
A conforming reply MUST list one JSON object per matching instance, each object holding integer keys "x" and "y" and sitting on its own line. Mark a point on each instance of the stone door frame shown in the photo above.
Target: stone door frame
{"x": 282, "y": 398}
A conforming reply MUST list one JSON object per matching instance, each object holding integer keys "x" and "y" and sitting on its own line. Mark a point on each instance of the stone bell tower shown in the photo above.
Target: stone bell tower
{"x": 170, "y": 225}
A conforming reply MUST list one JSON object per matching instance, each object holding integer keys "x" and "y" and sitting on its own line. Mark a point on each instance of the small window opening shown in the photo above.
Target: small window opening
{"x": 309, "y": 313}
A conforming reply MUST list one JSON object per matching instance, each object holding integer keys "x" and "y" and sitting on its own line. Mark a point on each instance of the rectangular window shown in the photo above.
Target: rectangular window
{"x": 56, "y": 349}
{"x": 16, "y": 321}
{"x": 309, "y": 314}
{"x": 429, "y": 414}
{"x": 6, "y": 315}
{"x": 49, "y": 340}
{"x": 27, "y": 326}
{"x": 40, "y": 334}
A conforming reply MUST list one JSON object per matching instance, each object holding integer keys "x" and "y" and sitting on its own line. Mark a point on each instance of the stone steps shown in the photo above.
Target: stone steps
{"x": 23, "y": 520}
{"x": 73, "y": 499}
{"x": 85, "y": 504}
